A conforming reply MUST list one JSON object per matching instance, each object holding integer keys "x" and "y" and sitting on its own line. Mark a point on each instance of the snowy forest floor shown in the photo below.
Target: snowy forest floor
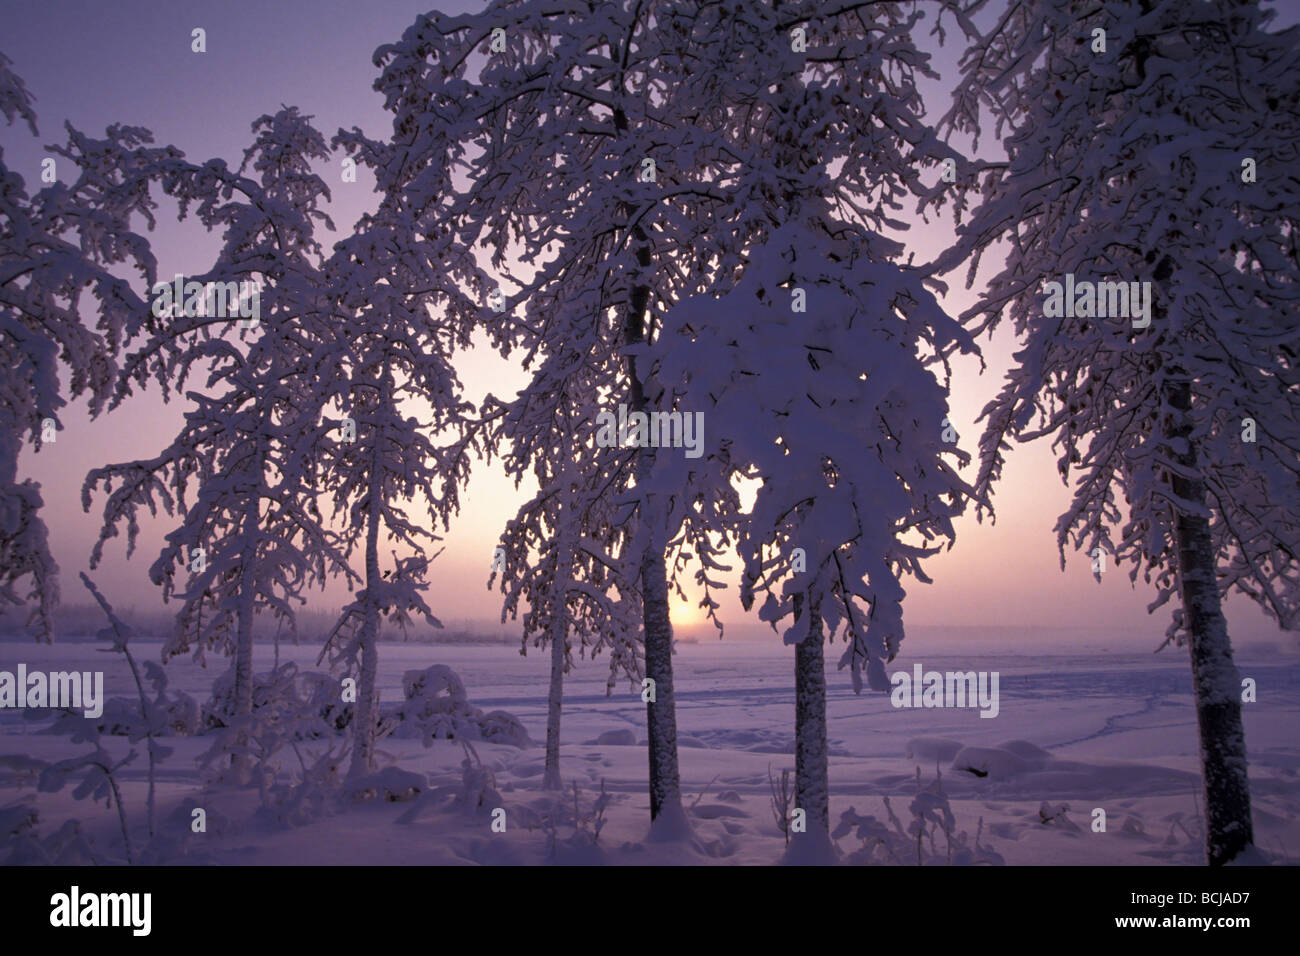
{"x": 1119, "y": 732}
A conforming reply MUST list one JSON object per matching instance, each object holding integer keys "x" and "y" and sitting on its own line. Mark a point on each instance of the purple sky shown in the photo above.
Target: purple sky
{"x": 130, "y": 62}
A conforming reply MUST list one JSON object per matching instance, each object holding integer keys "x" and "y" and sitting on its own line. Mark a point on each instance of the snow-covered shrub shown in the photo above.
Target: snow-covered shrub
{"x": 930, "y": 814}
{"x": 219, "y": 709}
{"x": 888, "y": 842}
{"x": 879, "y": 842}
{"x": 782, "y": 796}
{"x": 1056, "y": 815}
{"x": 175, "y": 712}
{"x": 436, "y": 705}
{"x": 314, "y": 793}
{"x": 18, "y": 819}
{"x": 95, "y": 773}
{"x": 290, "y": 708}
{"x": 438, "y": 708}
{"x": 177, "y": 842}
{"x": 500, "y": 727}
{"x": 302, "y": 690}
{"x": 392, "y": 784}
{"x": 556, "y": 811}
{"x": 118, "y": 716}
{"x": 18, "y": 831}
{"x": 478, "y": 785}
{"x": 66, "y": 846}
{"x": 475, "y": 794}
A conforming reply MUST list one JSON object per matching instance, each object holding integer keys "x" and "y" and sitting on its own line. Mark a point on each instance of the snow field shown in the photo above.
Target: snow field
{"x": 1079, "y": 731}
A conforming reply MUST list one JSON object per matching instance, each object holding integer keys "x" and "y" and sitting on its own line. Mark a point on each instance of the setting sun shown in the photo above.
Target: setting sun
{"x": 687, "y": 614}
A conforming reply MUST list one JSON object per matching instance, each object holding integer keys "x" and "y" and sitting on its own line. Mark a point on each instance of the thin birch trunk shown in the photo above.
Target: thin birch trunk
{"x": 1216, "y": 681}
{"x": 363, "y": 747}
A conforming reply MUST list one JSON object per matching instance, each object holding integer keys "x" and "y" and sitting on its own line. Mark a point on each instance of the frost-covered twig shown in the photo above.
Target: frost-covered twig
{"x": 781, "y": 798}
{"x": 121, "y": 635}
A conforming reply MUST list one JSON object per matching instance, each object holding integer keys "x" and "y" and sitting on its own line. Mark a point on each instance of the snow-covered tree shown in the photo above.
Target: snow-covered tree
{"x": 560, "y": 124}
{"x": 813, "y": 354}
{"x": 68, "y": 253}
{"x": 396, "y": 360}
{"x": 245, "y": 470}
{"x": 556, "y": 552}
{"x": 1152, "y": 142}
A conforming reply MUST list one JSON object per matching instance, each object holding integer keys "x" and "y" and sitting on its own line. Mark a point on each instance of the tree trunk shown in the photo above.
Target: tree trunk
{"x": 813, "y": 845}
{"x": 661, "y": 715}
{"x": 554, "y": 706}
{"x": 811, "y": 775}
{"x": 661, "y": 712}
{"x": 243, "y": 689}
{"x": 363, "y": 722}
{"x": 559, "y": 628}
{"x": 1216, "y": 682}
{"x": 247, "y": 602}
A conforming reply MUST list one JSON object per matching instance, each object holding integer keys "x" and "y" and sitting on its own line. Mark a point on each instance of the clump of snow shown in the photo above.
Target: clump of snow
{"x": 500, "y": 727}
{"x": 1054, "y": 814}
{"x": 1031, "y": 753}
{"x": 1251, "y": 856}
{"x": 671, "y": 826}
{"x": 392, "y": 785}
{"x": 179, "y": 715}
{"x": 1134, "y": 828}
{"x": 716, "y": 811}
{"x": 932, "y": 749}
{"x": 616, "y": 738}
{"x": 992, "y": 762}
{"x": 283, "y": 689}
{"x": 811, "y": 848}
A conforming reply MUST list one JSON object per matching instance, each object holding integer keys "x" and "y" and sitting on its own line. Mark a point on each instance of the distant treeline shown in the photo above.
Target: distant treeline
{"x": 75, "y": 622}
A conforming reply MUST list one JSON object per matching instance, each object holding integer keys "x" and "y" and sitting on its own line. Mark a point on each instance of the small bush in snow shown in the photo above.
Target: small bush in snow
{"x": 890, "y": 843}
{"x": 290, "y": 708}
{"x": 437, "y": 708}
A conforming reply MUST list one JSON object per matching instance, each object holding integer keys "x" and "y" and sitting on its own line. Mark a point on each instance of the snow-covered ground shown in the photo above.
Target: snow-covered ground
{"x": 1086, "y": 730}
